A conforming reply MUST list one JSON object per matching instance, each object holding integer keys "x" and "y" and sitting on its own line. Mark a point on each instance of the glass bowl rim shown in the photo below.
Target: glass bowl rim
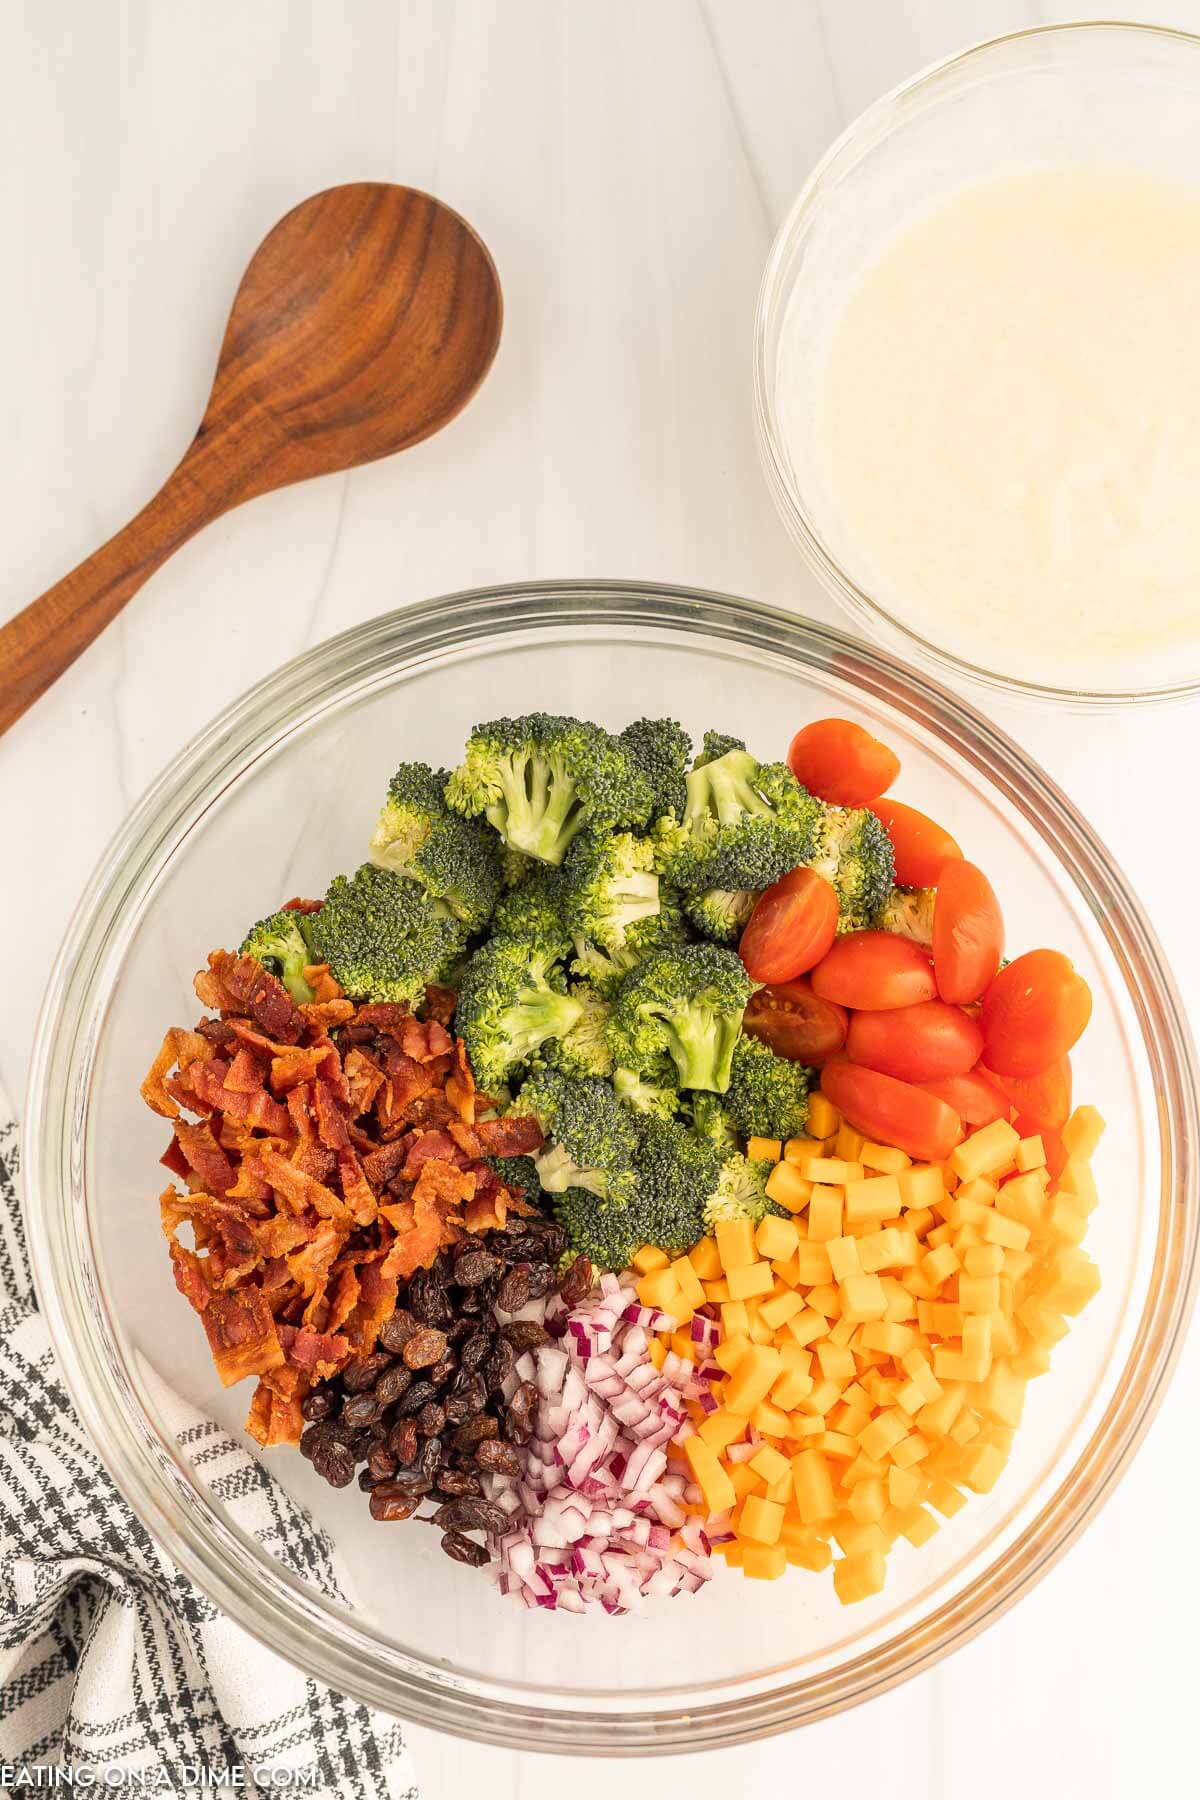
{"x": 268, "y": 1602}
{"x": 871, "y": 125}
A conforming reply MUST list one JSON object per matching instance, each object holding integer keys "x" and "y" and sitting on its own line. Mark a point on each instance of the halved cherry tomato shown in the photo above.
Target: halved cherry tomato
{"x": 1043, "y": 1100}
{"x": 922, "y": 848}
{"x": 915, "y": 1043}
{"x": 968, "y": 932}
{"x": 796, "y": 1023}
{"x": 875, "y": 970}
{"x": 840, "y": 762}
{"x": 1033, "y": 1013}
{"x": 973, "y": 1096}
{"x": 792, "y": 926}
{"x": 890, "y": 1111}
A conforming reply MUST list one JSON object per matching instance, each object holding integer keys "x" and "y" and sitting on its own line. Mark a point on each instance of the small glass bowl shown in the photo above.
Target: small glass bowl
{"x": 1078, "y": 94}
{"x": 279, "y": 792}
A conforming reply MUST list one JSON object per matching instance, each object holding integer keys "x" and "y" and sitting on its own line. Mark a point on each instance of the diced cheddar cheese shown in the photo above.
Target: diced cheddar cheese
{"x": 735, "y": 1243}
{"x": 776, "y": 1239}
{"x": 649, "y": 1258}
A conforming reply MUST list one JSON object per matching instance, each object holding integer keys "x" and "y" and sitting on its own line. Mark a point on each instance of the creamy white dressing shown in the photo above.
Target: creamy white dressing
{"x": 1009, "y": 426}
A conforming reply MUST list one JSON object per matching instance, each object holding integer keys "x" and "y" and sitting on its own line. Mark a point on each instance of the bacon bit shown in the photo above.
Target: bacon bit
{"x": 329, "y": 1008}
{"x": 173, "y": 1158}
{"x": 319, "y": 1354}
{"x": 310, "y": 1265}
{"x": 440, "y": 1003}
{"x": 429, "y": 1145}
{"x": 245, "y": 1073}
{"x": 295, "y": 1066}
{"x": 241, "y": 1334}
{"x": 487, "y": 1211}
{"x": 343, "y": 1299}
{"x": 465, "y": 1137}
{"x": 190, "y": 1278}
{"x": 364, "y": 1078}
{"x": 356, "y": 1189}
{"x": 406, "y": 1082}
{"x": 376, "y": 1302}
{"x": 388, "y": 1017}
{"x": 274, "y": 1418}
{"x": 300, "y": 1190}
{"x": 384, "y": 1164}
{"x": 510, "y": 1136}
{"x": 296, "y": 904}
{"x": 208, "y": 1083}
{"x": 425, "y": 1039}
{"x": 460, "y": 1086}
{"x": 442, "y": 1182}
{"x": 331, "y": 1121}
{"x": 204, "y": 1156}
{"x": 178, "y": 1049}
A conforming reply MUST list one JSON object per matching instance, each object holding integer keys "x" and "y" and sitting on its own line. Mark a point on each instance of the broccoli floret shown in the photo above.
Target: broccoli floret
{"x": 654, "y": 1093}
{"x": 515, "y": 865}
{"x": 745, "y": 824}
{"x": 768, "y": 1095}
{"x": 661, "y": 749}
{"x": 383, "y": 937}
{"x": 606, "y": 969}
{"x": 532, "y": 911}
{"x": 541, "y": 779}
{"x": 279, "y": 944}
{"x": 716, "y": 744}
{"x": 454, "y": 859}
{"x": 710, "y": 1122}
{"x": 512, "y": 1000}
{"x": 720, "y": 914}
{"x": 740, "y": 1192}
{"x": 519, "y": 1173}
{"x": 908, "y": 911}
{"x": 688, "y": 1001}
{"x": 609, "y": 884}
{"x": 591, "y": 1137}
{"x": 853, "y": 851}
{"x": 609, "y": 1236}
{"x": 675, "y": 1172}
{"x": 584, "y": 1049}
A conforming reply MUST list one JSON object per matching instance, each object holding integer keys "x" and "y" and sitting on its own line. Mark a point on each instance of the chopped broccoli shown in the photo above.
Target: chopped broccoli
{"x": 711, "y": 1122}
{"x": 541, "y": 779}
{"x": 584, "y": 1049}
{"x": 853, "y": 851}
{"x": 511, "y": 1001}
{"x": 454, "y": 859}
{"x": 532, "y": 911}
{"x": 647, "y": 1092}
{"x": 519, "y": 1173}
{"x": 515, "y": 865}
{"x": 745, "y": 824}
{"x": 716, "y": 744}
{"x": 740, "y": 1192}
{"x": 606, "y": 969}
{"x": 687, "y": 1000}
{"x": 609, "y": 884}
{"x": 720, "y": 914}
{"x": 609, "y": 1236}
{"x": 908, "y": 911}
{"x": 660, "y": 748}
{"x": 383, "y": 937}
{"x": 591, "y": 1137}
{"x": 768, "y": 1095}
{"x": 279, "y": 944}
{"x": 675, "y": 1172}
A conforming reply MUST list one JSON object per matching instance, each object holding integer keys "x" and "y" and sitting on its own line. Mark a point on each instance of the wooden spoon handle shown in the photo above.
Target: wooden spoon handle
{"x": 48, "y": 634}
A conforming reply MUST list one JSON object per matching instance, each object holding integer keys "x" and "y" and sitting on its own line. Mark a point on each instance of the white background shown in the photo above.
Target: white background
{"x": 628, "y": 162}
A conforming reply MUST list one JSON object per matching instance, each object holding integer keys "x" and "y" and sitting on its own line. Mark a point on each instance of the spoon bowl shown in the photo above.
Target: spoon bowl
{"x": 365, "y": 321}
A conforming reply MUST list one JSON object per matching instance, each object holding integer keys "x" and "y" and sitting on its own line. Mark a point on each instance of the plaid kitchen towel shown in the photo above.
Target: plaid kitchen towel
{"x": 109, "y": 1657}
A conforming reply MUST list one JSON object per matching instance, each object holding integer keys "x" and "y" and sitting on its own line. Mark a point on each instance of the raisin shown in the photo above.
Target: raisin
{"x": 472, "y": 1353}
{"x": 474, "y": 1267}
{"x": 392, "y": 1383}
{"x": 411, "y": 1403}
{"x": 381, "y": 1462}
{"x": 362, "y": 1372}
{"x": 461, "y": 1549}
{"x": 336, "y": 1464}
{"x": 474, "y": 1432}
{"x": 360, "y": 1410}
{"x": 525, "y": 1334}
{"x": 429, "y": 1458}
{"x": 513, "y": 1292}
{"x": 444, "y": 1369}
{"x": 541, "y": 1280}
{"x": 389, "y": 1503}
{"x": 424, "y": 1348}
{"x": 452, "y": 1484}
{"x": 397, "y": 1330}
{"x": 318, "y": 1405}
{"x": 402, "y": 1440}
{"x": 470, "y": 1515}
{"x": 576, "y": 1282}
{"x": 498, "y": 1458}
{"x": 431, "y": 1419}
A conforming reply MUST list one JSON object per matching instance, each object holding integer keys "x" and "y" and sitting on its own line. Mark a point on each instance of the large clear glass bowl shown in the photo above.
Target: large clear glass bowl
{"x": 1093, "y": 94}
{"x": 279, "y": 792}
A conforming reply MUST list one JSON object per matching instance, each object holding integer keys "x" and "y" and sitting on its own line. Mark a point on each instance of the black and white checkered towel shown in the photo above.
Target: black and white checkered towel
{"x": 109, "y": 1657}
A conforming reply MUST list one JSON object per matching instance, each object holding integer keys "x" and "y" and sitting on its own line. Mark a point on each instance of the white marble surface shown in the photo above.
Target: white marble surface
{"x": 628, "y": 165}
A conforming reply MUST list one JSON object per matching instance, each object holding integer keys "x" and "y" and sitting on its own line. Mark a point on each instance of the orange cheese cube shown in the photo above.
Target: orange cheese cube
{"x": 764, "y": 1562}
{"x": 799, "y": 1149}
{"x": 710, "y": 1477}
{"x": 722, "y": 1428}
{"x": 831, "y": 1170}
{"x": 1031, "y": 1154}
{"x": 729, "y": 1352}
{"x": 776, "y": 1238}
{"x": 753, "y": 1378}
{"x": 920, "y": 1186}
{"x": 764, "y": 1149}
{"x": 813, "y": 1486}
{"x": 812, "y": 1265}
{"x": 762, "y": 1520}
{"x": 689, "y": 1283}
{"x": 883, "y": 1159}
{"x": 788, "y": 1188}
{"x": 823, "y": 1116}
{"x": 793, "y": 1386}
{"x": 1009, "y": 1233}
{"x": 873, "y": 1197}
{"x": 716, "y": 1292}
{"x": 657, "y": 1289}
{"x": 989, "y": 1151}
{"x": 649, "y": 1258}
{"x": 858, "y": 1577}
{"x": 824, "y": 1214}
{"x": 750, "y": 1279}
{"x": 1081, "y": 1134}
{"x": 735, "y": 1244}
{"x": 862, "y": 1297}
{"x": 769, "y": 1420}
{"x": 843, "y": 1257}
{"x": 807, "y": 1326}
{"x": 706, "y": 1259}
{"x": 779, "y": 1309}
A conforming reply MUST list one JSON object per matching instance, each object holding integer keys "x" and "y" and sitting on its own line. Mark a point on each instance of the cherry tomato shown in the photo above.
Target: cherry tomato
{"x": 1043, "y": 1100}
{"x": 915, "y": 1043}
{"x": 840, "y": 762}
{"x": 874, "y": 970}
{"x": 968, "y": 932}
{"x": 795, "y": 1023}
{"x": 1033, "y": 1013}
{"x": 922, "y": 848}
{"x": 792, "y": 926}
{"x": 892, "y": 1112}
{"x": 973, "y": 1096}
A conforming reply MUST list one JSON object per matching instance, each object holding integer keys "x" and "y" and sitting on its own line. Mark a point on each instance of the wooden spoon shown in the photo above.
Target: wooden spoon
{"x": 366, "y": 319}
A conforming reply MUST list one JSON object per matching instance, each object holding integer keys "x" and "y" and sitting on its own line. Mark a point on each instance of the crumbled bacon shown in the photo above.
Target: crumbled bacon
{"x": 335, "y": 1151}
